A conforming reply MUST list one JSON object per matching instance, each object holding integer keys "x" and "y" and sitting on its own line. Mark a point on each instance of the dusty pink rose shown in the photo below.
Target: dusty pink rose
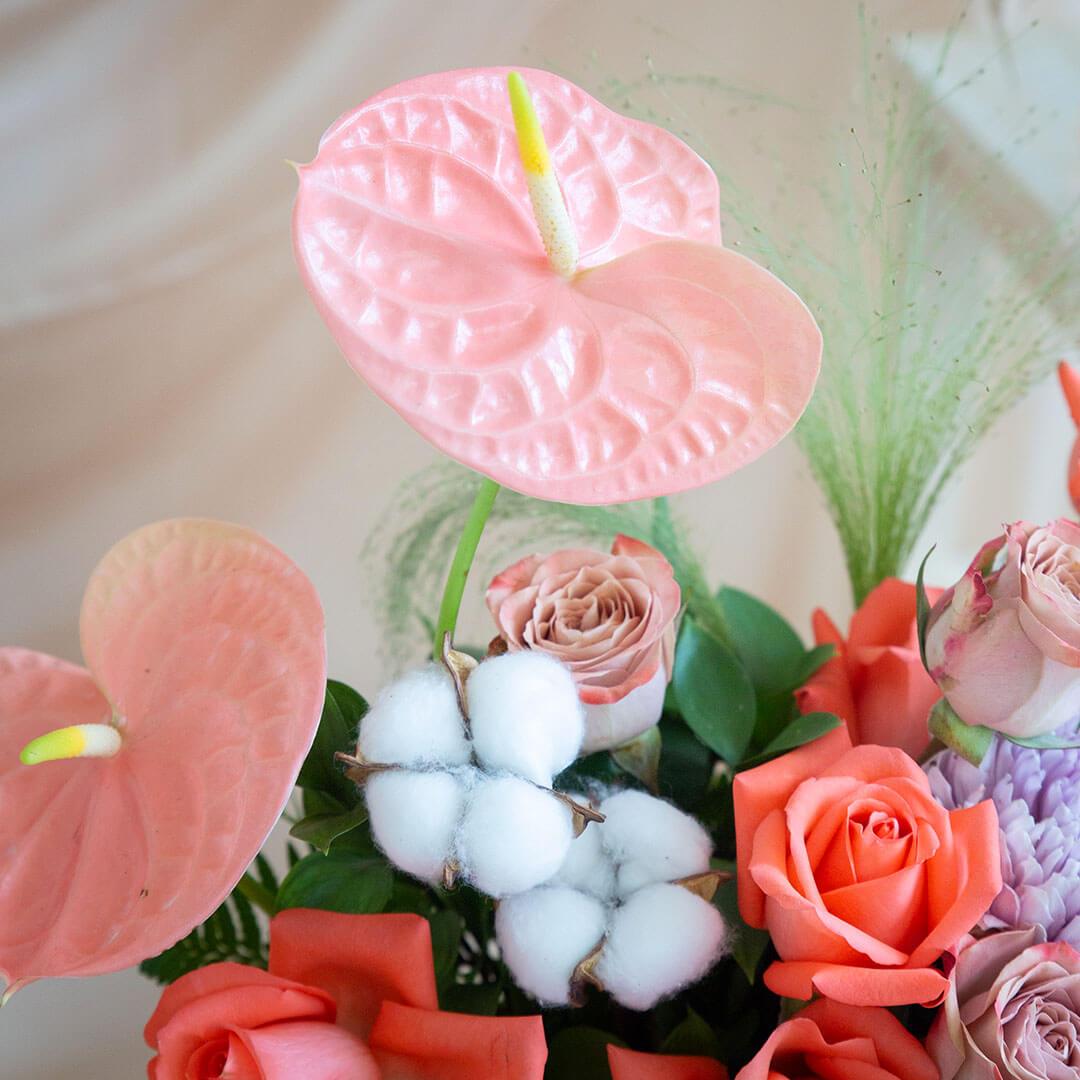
{"x": 609, "y": 618}
{"x": 1012, "y": 1010}
{"x": 1004, "y": 643}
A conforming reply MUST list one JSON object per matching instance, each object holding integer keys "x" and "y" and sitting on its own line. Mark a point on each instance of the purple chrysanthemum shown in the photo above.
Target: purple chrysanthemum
{"x": 1037, "y": 795}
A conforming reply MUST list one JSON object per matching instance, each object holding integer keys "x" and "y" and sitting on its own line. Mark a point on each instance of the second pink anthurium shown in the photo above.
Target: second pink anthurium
{"x": 149, "y": 779}
{"x": 565, "y": 322}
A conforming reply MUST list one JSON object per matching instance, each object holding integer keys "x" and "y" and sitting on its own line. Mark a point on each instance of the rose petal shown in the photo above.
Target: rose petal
{"x": 309, "y": 1050}
{"x": 421, "y": 1045}
{"x": 359, "y": 960}
{"x": 757, "y": 792}
{"x": 856, "y": 985}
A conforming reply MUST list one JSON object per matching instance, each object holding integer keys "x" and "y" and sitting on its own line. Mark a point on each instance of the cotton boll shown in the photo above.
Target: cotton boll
{"x": 587, "y": 866}
{"x": 514, "y": 836}
{"x": 662, "y": 939}
{"x": 650, "y": 840}
{"x": 415, "y": 721}
{"x": 544, "y": 934}
{"x": 525, "y": 715}
{"x": 414, "y": 816}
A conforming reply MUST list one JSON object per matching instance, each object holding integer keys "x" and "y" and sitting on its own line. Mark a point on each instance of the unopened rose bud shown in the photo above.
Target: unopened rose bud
{"x": 1004, "y": 643}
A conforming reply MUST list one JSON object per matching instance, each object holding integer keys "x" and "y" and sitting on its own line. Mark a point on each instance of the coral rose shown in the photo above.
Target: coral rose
{"x": 609, "y": 618}
{"x": 876, "y": 682}
{"x": 840, "y": 1042}
{"x": 1013, "y": 1010}
{"x": 860, "y": 876}
{"x": 631, "y": 1065}
{"x": 1004, "y": 643}
{"x": 347, "y": 997}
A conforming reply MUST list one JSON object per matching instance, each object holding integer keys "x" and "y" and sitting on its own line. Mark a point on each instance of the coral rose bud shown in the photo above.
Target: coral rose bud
{"x": 1004, "y": 643}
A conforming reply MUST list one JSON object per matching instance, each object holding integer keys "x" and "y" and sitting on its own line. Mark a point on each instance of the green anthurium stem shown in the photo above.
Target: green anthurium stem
{"x": 463, "y": 560}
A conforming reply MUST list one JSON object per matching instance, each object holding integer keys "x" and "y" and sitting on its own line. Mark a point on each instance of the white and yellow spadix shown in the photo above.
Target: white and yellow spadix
{"x": 75, "y": 741}
{"x": 549, "y": 206}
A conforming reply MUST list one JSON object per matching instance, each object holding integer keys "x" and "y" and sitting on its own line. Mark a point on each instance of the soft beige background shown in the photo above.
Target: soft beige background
{"x": 159, "y": 357}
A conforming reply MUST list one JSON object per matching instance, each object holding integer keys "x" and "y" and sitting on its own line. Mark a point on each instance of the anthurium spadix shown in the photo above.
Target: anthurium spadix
{"x": 134, "y": 792}
{"x": 536, "y": 284}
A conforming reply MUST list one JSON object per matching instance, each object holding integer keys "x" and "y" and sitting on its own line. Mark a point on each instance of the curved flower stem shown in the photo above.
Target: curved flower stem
{"x": 463, "y": 559}
{"x": 257, "y": 894}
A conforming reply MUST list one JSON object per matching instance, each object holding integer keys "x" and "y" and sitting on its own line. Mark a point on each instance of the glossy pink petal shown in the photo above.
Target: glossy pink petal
{"x": 664, "y": 363}
{"x": 206, "y": 645}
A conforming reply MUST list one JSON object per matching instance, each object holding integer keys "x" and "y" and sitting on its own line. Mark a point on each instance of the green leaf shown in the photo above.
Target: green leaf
{"x": 231, "y": 933}
{"x": 801, "y": 730}
{"x": 340, "y": 881}
{"x": 343, "y": 709}
{"x": 715, "y": 693}
{"x": 685, "y": 765}
{"x": 321, "y": 830}
{"x": 748, "y": 944}
{"x": 970, "y": 741}
{"x": 482, "y": 1000}
{"x": 692, "y": 1038}
{"x": 922, "y": 607}
{"x": 580, "y": 1053}
{"x": 768, "y": 647}
{"x": 446, "y": 928}
{"x": 812, "y": 661}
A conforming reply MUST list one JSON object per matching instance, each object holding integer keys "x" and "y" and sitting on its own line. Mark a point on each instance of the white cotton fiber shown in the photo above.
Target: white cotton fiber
{"x": 416, "y": 721}
{"x": 414, "y": 816}
{"x": 513, "y": 837}
{"x": 525, "y": 715}
{"x": 661, "y": 939}
{"x": 587, "y": 866}
{"x": 650, "y": 840}
{"x": 544, "y": 934}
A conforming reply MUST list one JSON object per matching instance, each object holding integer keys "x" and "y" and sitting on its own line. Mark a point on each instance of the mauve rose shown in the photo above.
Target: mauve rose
{"x": 1012, "y": 1010}
{"x": 609, "y": 618}
{"x": 1004, "y": 643}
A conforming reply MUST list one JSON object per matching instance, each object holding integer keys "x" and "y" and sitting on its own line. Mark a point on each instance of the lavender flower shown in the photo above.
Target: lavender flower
{"x": 1037, "y": 795}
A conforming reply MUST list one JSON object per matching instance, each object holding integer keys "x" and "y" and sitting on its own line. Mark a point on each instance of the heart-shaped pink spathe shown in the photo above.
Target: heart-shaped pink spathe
{"x": 205, "y": 646}
{"x": 664, "y": 363}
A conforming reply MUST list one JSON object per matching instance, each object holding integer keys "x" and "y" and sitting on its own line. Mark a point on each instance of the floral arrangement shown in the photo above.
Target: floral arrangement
{"x": 646, "y": 831}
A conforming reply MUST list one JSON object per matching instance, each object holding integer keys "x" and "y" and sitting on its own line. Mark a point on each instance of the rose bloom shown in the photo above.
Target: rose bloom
{"x": 1004, "y": 643}
{"x": 840, "y": 1042}
{"x": 1013, "y": 1010}
{"x": 862, "y": 879}
{"x": 876, "y": 682}
{"x": 632, "y": 1065}
{"x": 609, "y": 618}
{"x": 347, "y": 997}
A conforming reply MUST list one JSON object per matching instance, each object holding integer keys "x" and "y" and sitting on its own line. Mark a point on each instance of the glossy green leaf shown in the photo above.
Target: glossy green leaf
{"x": 768, "y": 647}
{"x": 343, "y": 709}
{"x": 692, "y": 1038}
{"x": 922, "y": 607}
{"x": 321, "y": 830}
{"x": 715, "y": 693}
{"x": 748, "y": 944}
{"x": 580, "y": 1053}
{"x": 340, "y": 881}
{"x": 801, "y": 730}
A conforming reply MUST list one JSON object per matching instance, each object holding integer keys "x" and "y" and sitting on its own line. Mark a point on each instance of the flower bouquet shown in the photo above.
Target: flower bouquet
{"x": 644, "y": 830}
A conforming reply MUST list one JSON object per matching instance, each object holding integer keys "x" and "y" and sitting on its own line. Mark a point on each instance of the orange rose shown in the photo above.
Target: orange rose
{"x": 347, "y": 997}
{"x": 630, "y": 1065}
{"x": 876, "y": 682}
{"x": 862, "y": 879}
{"x": 841, "y": 1042}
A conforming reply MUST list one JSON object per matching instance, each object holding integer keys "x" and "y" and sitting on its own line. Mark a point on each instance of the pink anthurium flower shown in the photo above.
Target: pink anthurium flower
{"x": 564, "y": 322}
{"x": 176, "y": 750}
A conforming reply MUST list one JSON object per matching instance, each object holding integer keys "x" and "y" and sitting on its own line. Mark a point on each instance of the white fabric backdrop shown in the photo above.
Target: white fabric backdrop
{"x": 158, "y": 356}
